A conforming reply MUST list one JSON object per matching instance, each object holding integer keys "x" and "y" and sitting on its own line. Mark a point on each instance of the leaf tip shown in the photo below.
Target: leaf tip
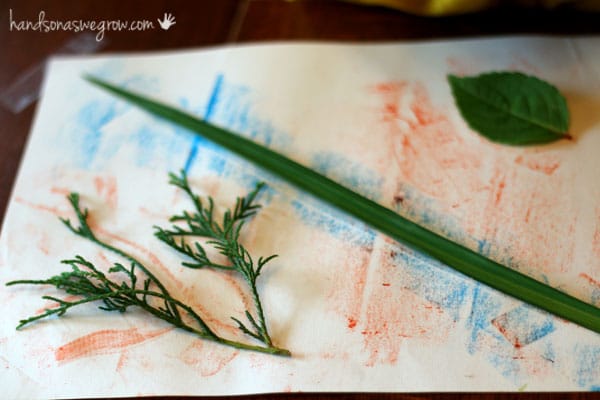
{"x": 90, "y": 78}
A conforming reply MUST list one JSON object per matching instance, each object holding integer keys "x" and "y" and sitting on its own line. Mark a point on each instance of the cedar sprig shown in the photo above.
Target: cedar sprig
{"x": 84, "y": 230}
{"x": 88, "y": 284}
{"x": 224, "y": 236}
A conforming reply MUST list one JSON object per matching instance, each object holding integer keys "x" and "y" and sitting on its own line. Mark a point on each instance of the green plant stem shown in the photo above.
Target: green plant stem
{"x": 261, "y": 316}
{"x": 205, "y": 333}
{"x": 385, "y": 220}
{"x": 85, "y": 231}
{"x": 269, "y": 349}
{"x": 225, "y": 238}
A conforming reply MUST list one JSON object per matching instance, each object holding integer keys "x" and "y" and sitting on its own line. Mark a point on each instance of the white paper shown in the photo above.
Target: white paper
{"x": 358, "y": 311}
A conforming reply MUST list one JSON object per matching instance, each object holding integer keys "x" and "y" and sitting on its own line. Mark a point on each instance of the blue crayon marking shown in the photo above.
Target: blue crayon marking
{"x": 349, "y": 173}
{"x": 483, "y": 247}
{"x": 484, "y": 308}
{"x": 549, "y": 353}
{"x": 93, "y": 117}
{"x": 522, "y": 325}
{"x": 335, "y": 223}
{"x": 212, "y": 101}
{"x": 434, "y": 282}
{"x": 588, "y": 366}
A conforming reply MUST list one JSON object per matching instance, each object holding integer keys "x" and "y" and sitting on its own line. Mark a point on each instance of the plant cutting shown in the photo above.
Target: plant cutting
{"x": 90, "y": 285}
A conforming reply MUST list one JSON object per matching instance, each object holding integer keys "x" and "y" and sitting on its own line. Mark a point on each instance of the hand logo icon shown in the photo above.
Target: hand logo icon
{"x": 167, "y": 22}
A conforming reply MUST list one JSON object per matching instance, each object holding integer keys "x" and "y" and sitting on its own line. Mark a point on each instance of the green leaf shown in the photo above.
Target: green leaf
{"x": 511, "y": 107}
{"x": 383, "y": 219}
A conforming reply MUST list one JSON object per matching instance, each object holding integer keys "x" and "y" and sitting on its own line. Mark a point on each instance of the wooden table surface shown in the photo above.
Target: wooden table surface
{"x": 208, "y": 23}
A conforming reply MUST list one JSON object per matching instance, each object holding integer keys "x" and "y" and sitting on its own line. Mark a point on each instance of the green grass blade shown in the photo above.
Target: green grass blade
{"x": 384, "y": 220}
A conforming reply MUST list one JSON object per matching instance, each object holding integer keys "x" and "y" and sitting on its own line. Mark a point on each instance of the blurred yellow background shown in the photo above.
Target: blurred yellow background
{"x": 451, "y": 7}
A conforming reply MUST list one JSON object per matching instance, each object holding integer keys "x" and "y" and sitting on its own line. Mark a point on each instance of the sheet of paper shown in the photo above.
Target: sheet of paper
{"x": 358, "y": 311}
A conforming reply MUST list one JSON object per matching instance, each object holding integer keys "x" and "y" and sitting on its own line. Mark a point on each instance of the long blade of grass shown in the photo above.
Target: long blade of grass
{"x": 384, "y": 220}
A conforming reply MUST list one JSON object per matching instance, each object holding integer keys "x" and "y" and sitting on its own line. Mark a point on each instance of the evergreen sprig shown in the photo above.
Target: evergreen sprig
{"x": 225, "y": 238}
{"x": 88, "y": 284}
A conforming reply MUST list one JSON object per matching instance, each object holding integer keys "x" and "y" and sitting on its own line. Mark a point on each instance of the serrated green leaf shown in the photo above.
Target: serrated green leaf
{"x": 511, "y": 107}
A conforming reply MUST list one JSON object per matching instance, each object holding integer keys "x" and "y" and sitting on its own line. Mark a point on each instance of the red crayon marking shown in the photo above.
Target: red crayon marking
{"x": 107, "y": 188}
{"x": 349, "y": 284}
{"x": 498, "y": 183}
{"x": 398, "y": 199}
{"x": 501, "y": 186}
{"x": 528, "y": 214}
{"x": 590, "y": 279}
{"x": 391, "y": 110}
{"x": 104, "y": 342}
{"x": 42, "y": 245}
{"x": 60, "y": 190}
{"x": 42, "y": 207}
{"x": 208, "y": 358}
{"x": 396, "y": 314}
{"x": 391, "y": 91}
{"x": 52, "y": 304}
{"x": 422, "y": 109}
{"x": 433, "y": 159}
{"x": 159, "y": 215}
{"x": 524, "y": 65}
{"x": 596, "y": 238}
{"x": 190, "y": 296}
{"x": 156, "y": 263}
{"x": 407, "y": 145}
{"x": 427, "y": 152}
{"x": 123, "y": 358}
{"x": 460, "y": 67}
{"x": 544, "y": 166}
{"x": 499, "y": 323}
